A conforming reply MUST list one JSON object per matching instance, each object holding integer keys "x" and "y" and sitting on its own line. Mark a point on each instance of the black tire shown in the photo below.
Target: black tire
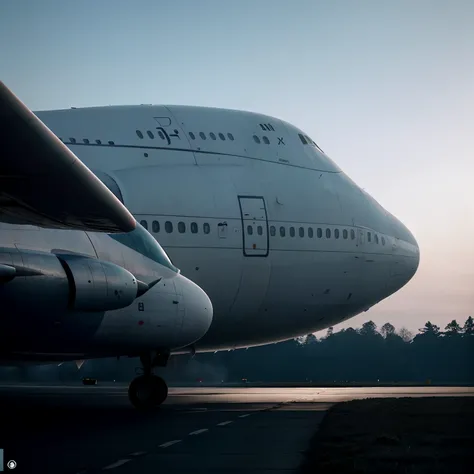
{"x": 147, "y": 392}
{"x": 160, "y": 390}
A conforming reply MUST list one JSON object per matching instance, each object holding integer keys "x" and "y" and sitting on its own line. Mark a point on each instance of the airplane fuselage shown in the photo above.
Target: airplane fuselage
{"x": 249, "y": 208}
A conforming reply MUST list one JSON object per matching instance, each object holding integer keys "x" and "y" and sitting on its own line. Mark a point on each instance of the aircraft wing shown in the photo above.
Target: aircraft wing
{"x": 43, "y": 183}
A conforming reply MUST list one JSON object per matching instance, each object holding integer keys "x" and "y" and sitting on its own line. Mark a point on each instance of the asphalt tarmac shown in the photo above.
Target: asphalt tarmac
{"x": 93, "y": 429}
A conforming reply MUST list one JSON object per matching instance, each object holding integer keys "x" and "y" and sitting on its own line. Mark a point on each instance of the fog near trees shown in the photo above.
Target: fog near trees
{"x": 363, "y": 355}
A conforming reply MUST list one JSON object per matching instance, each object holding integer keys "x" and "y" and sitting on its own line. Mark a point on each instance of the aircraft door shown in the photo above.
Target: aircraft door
{"x": 254, "y": 226}
{"x": 255, "y": 274}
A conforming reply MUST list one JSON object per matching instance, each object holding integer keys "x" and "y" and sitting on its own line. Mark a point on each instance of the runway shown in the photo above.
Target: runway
{"x": 79, "y": 429}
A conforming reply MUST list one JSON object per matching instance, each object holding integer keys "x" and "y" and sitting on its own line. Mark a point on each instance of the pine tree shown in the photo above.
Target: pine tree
{"x": 452, "y": 329}
{"x": 468, "y": 328}
{"x": 430, "y": 328}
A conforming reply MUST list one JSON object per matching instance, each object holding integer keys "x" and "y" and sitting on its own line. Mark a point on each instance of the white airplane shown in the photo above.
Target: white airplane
{"x": 252, "y": 210}
{"x": 79, "y": 277}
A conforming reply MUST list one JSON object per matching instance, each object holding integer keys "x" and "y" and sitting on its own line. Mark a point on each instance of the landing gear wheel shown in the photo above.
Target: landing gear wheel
{"x": 147, "y": 391}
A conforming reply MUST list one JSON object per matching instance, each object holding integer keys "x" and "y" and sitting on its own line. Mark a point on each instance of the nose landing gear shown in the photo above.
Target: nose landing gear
{"x": 148, "y": 391}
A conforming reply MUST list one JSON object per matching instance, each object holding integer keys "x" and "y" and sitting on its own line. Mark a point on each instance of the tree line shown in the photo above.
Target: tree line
{"x": 354, "y": 355}
{"x": 363, "y": 355}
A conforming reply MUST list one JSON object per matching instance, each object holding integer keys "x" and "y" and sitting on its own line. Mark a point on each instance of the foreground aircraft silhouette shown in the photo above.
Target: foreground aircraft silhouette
{"x": 79, "y": 277}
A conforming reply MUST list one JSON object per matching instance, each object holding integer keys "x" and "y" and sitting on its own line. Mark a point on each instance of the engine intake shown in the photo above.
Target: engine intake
{"x": 96, "y": 285}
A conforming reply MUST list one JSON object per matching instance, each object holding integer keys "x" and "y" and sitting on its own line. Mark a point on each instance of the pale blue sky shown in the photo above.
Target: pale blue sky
{"x": 385, "y": 87}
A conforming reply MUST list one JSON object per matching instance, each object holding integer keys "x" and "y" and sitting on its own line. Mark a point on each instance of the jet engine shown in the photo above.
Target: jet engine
{"x": 44, "y": 281}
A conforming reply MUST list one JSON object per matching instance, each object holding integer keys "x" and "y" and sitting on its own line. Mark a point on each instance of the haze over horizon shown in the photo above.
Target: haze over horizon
{"x": 385, "y": 88}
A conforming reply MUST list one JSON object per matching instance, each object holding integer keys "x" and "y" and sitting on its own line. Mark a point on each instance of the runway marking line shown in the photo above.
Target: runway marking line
{"x": 138, "y": 453}
{"x": 118, "y": 463}
{"x": 224, "y": 423}
{"x": 244, "y": 416}
{"x": 170, "y": 443}
{"x": 198, "y": 431}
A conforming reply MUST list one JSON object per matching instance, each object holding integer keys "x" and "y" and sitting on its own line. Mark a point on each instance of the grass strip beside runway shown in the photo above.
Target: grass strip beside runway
{"x": 395, "y": 435}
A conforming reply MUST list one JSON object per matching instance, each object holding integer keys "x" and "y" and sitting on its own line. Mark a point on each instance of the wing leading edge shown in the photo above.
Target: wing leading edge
{"x": 43, "y": 183}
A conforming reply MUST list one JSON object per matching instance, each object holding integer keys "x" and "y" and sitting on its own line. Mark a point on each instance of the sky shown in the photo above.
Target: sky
{"x": 385, "y": 88}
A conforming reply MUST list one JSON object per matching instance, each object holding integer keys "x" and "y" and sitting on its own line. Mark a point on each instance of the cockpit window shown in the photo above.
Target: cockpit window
{"x": 142, "y": 242}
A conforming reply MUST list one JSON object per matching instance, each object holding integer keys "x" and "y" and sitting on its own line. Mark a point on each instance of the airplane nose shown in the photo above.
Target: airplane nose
{"x": 406, "y": 253}
{"x": 414, "y": 253}
{"x": 198, "y": 310}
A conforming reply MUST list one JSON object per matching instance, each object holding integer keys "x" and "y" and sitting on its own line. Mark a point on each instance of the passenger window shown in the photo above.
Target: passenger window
{"x": 221, "y": 136}
{"x": 194, "y": 228}
{"x": 369, "y": 237}
{"x": 202, "y": 135}
{"x": 272, "y": 231}
{"x": 230, "y": 136}
{"x": 249, "y": 230}
{"x": 181, "y": 227}
{"x": 256, "y": 139}
{"x": 383, "y": 240}
{"x": 212, "y": 135}
{"x": 150, "y": 134}
{"x": 161, "y": 134}
{"x": 328, "y": 233}
{"x": 139, "y": 134}
{"x": 301, "y": 231}
{"x": 344, "y": 233}
{"x": 266, "y": 141}
{"x": 155, "y": 225}
{"x": 303, "y": 139}
{"x": 353, "y": 234}
{"x": 282, "y": 231}
{"x": 260, "y": 230}
{"x": 169, "y": 227}
{"x": 72, "y": 140}
{"x": 98, "y": 142}
{"x": 310, "y": 232}
{"x": 292, "y": 231}
{"x": 320, "y": 232}
{"x": 206, "y": 228}
{"x": 86, "y": 141}
{"x": 336, "y": 233}
{"x": 376, "y": 238}
{"x": 144, "y": 224}
{"x": 192, "y": 136}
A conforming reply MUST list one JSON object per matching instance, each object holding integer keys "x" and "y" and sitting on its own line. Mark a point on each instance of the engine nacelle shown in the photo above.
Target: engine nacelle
{"x": 96, "y": 285}
{"x": 42, "y": 282}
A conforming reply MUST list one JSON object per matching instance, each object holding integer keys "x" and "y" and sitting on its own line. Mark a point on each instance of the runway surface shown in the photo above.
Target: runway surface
{"x": 79, "y": 429}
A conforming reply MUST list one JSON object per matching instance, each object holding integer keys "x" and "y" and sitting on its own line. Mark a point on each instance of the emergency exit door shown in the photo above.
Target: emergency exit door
{"x": 254, "y": 226}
